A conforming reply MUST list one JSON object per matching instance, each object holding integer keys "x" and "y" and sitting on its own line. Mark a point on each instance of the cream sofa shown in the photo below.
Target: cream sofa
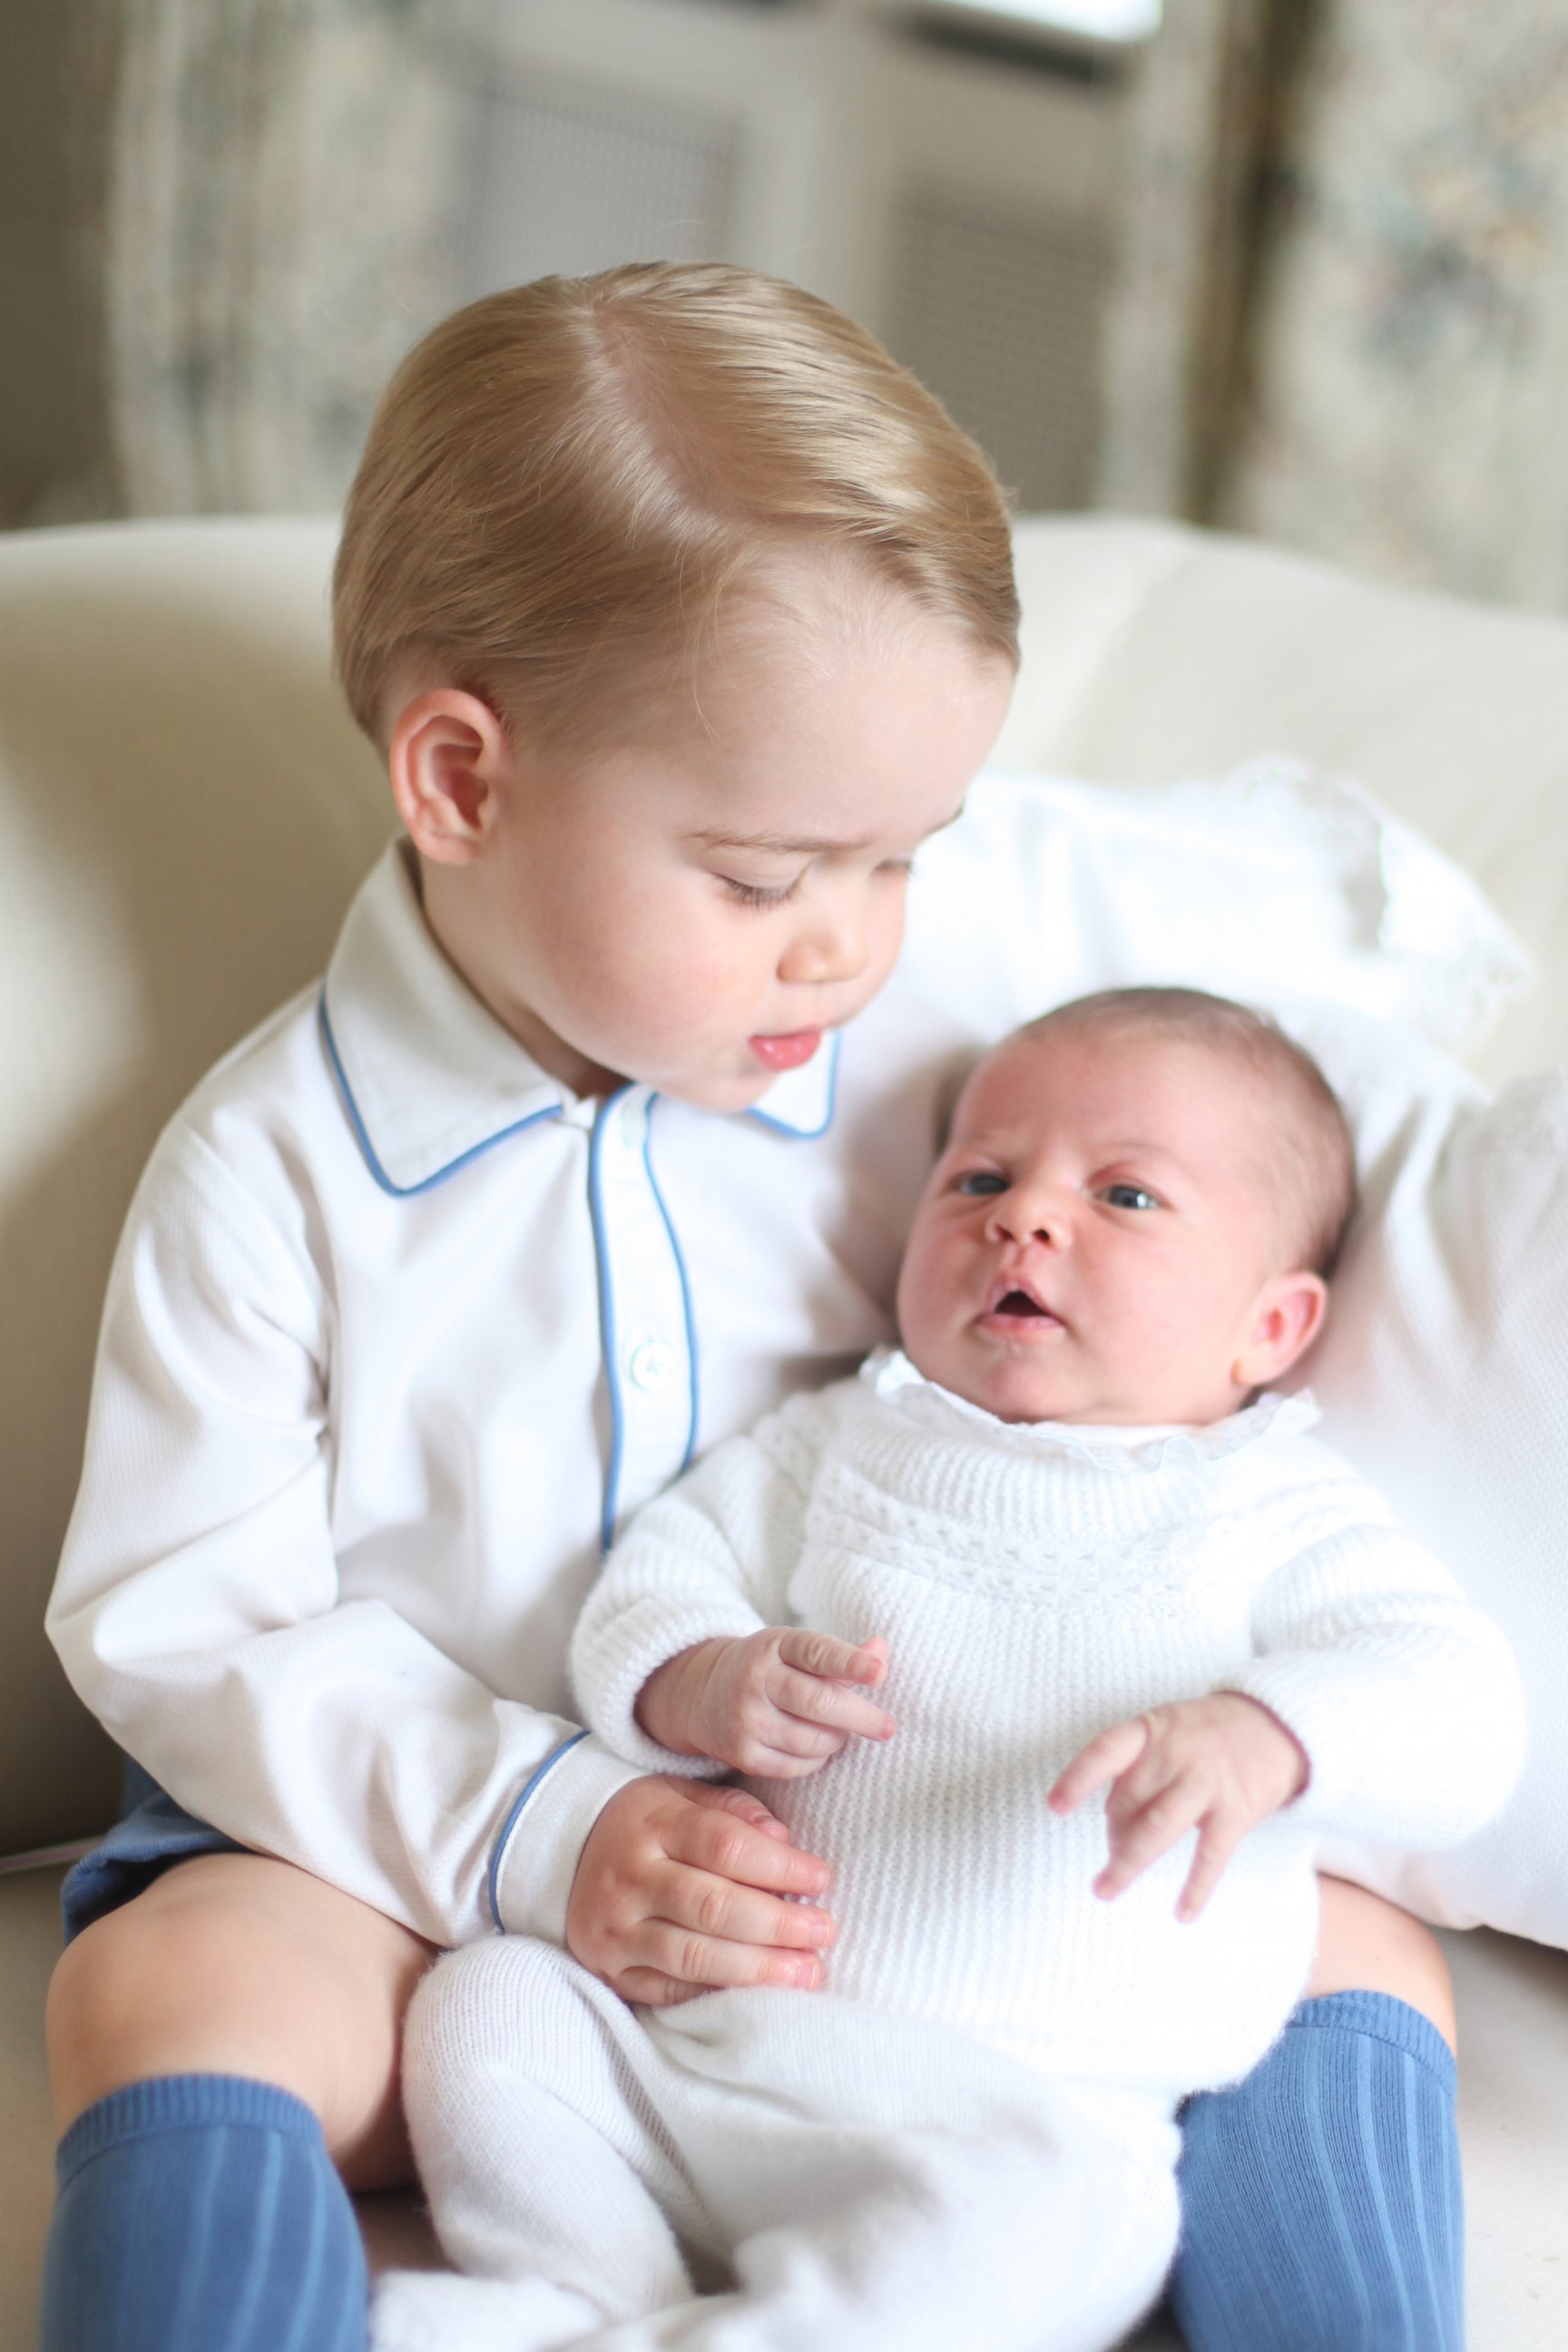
{"x": 184, "y": 812}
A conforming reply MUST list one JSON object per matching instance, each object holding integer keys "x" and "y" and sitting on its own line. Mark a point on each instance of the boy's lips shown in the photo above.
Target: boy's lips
{"x": 788, "y": 1051}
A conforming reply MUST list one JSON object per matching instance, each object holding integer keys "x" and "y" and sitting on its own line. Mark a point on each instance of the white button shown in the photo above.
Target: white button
{"x": 652, "y": 1362}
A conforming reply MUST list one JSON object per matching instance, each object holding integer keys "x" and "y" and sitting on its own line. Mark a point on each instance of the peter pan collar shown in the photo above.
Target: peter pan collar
{"x": 429, "y": 1077}
{"x": 892, "y": 1377}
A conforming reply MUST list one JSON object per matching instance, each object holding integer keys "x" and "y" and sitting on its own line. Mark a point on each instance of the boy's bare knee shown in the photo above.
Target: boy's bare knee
{"x": 235, "y": 1965}
{"x": 1368, "y": 1945}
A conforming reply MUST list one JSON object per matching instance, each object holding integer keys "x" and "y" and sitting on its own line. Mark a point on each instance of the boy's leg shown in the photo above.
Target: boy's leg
{"x": 1322, "y": 2205}
{"x": 217, "y": 2047}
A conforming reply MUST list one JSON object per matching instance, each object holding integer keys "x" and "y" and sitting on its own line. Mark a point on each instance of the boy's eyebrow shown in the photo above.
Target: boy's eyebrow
{"x": 802, "y": 844}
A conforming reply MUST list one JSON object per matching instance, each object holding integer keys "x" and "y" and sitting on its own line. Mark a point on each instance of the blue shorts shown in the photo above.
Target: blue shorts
{"x": 152, "y": 1834}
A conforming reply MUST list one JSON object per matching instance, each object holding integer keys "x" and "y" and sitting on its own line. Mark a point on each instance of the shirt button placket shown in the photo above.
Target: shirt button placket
{"x": 653, "y": 1368}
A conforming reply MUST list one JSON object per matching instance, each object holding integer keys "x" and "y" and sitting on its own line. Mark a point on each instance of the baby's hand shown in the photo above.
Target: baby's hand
{"x": 1219, "y": 1764}
{"x": 778, "y": 1703}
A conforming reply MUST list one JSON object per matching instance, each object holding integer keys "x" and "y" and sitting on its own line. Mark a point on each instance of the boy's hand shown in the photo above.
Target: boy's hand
{"x": 1219, "y": 1764}
{"x": 681, "y": 1889}
{"x": 778, "y": 1703}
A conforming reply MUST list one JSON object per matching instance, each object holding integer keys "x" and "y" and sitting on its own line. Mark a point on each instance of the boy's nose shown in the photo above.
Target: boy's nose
{"x": 832, "y": 947}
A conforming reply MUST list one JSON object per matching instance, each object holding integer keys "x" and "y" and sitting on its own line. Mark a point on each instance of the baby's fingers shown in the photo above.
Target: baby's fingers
{"x": 1139, "y": 1837}
{"x": 829, "y": 1707}
{"x": 1218, "y": 1837}
{"x": 834, "y": 1661}
{"x": 1103, "y": 1760}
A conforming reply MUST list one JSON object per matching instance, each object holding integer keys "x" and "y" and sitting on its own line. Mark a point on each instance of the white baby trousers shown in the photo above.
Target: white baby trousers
{"x": 856, "y": 2178}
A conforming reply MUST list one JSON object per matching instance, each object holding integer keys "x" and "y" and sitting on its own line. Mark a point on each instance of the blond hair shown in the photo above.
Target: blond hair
{"x": 564, "y": 484}
{"x": 1304, "y": 1140}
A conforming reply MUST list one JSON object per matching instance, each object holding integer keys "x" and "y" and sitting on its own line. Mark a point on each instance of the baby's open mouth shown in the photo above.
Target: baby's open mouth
{"x": 1014, "y": 1300}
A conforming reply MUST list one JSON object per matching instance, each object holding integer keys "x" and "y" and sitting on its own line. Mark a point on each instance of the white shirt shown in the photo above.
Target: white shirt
{"x": 1038, "y": 1583}
{"x": 398, "y": 1329}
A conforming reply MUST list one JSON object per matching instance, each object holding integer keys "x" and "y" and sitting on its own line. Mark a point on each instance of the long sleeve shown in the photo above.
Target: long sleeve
{"x": 711, "y": 1560}
{"x": 205, "y": 1606}
{"x": 1405, "y": 1698}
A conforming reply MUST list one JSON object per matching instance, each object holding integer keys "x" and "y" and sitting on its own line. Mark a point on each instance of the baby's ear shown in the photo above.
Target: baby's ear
{"x": 1287, "y": 1317}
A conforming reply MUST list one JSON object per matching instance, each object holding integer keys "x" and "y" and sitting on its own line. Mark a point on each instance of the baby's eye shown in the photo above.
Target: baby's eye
{"x": 976, "y": 1183}
{"x": 1127, "y": 1196}
{"x": 757, "y": 894}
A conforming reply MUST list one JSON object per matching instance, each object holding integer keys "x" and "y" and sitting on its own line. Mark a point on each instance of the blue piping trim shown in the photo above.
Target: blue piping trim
{"x": 492, "y": 1877}
{"x": 407, "y": 1192}
{"x": 693, "y": 1382}
{"x": 806, "y": 1134}
{"x": 608, "y": 1339}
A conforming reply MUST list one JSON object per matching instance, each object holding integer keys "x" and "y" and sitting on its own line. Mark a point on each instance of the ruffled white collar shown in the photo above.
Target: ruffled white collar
{"x": 891, "y": 1377}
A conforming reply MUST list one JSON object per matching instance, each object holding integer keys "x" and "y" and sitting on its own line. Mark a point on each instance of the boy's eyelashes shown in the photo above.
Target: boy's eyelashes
{"x": 758, "y": 894}
{"x": 779, "y": 894}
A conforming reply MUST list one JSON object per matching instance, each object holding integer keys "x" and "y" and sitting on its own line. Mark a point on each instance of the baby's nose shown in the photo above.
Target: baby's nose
{"x": 1025, "y": 1217}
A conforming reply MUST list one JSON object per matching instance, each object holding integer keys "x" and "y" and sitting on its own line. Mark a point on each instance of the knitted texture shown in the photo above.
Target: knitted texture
{"x": 1037, "y": 1584}
{"x": 867, "y": 2181}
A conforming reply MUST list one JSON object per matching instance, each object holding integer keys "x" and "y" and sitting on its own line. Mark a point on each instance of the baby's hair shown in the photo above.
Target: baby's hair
{"x": 564, "y": 484}
{"x": 1310, "y": 1146}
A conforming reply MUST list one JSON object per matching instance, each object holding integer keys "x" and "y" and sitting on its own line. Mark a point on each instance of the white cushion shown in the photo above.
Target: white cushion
{"x": 1444, "y": 1375}
{"x": 1152, "y": 651}
{"x": 1276, "y": 884}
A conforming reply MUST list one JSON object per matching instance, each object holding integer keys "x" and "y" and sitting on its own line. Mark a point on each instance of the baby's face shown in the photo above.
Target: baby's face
{"x": 1100, "y": 1242}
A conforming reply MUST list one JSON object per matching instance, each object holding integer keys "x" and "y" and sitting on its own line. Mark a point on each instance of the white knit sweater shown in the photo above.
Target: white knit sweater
{"x": 1035, "y": 1584}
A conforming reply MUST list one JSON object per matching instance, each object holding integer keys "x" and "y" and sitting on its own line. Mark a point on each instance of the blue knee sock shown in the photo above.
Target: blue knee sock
{"x": 1321, "y": 2204}
{"x": 201, "y": 2213}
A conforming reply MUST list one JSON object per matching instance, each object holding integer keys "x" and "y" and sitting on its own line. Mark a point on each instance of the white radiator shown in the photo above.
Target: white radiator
{"x": 935, "y": 170}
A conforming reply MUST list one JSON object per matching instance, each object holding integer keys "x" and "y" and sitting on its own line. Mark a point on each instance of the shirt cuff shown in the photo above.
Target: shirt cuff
{"x": 1308, "y": 1695}
{"x": 609, "y": 1672}
{"x": 540, "y": 1842}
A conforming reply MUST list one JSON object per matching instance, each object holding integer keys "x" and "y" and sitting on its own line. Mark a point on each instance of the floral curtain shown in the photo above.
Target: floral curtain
{"x": 278, "y": 230}
{"x": 1405, "y": 393}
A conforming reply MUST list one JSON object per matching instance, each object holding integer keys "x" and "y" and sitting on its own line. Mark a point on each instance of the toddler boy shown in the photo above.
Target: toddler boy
{"x": 1089, "y": 1557}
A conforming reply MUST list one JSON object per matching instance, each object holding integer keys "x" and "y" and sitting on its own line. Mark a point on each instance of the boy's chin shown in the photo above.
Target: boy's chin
{"x": 719, "y": 1091}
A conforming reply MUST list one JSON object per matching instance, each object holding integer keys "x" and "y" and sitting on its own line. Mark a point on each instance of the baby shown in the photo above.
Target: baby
{"x": 1131, "y": 1633}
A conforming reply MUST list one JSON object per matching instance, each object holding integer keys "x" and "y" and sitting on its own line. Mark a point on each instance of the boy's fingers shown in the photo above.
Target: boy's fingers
{"x": 719, "y": 1798}
{"x": 651, "y": 1988}
{"x": 1217, "y": 1841}
{"x": 834, "y": 1705}
{"x": 1104, "y": 1759}
{"x": 836, "y": 1661}
{"x": 715, "y": 1909}
{"x": 694, "y": 1959}
{"x": 714, "y": 1838}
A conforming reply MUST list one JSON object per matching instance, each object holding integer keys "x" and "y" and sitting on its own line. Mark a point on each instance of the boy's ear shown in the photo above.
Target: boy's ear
{"x": 447, "y": 759}
{"x": 1287, "y": 1317}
